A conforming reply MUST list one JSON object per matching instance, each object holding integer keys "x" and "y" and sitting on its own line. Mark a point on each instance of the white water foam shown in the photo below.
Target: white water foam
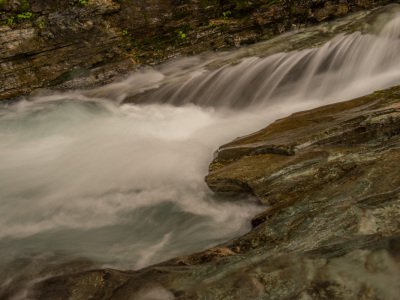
{"x": 124, "y": 184}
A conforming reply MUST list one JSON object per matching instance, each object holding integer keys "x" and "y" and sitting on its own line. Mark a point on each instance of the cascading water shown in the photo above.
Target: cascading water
{"x": 346, "y": 67}
{"x": 122, "y": 185}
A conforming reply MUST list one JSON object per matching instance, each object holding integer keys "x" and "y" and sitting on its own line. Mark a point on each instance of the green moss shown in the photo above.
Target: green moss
{"x": 25, "y": 15}
{"x": 82, "y": 2}
{"x": 181, "y": 35}
{"x": 11, "y": 20}
{"x": 226, "y": 14}
{"x": 18, "y": 14}
{"x": 41, "y": 24}
{"x": 211, "y": 24}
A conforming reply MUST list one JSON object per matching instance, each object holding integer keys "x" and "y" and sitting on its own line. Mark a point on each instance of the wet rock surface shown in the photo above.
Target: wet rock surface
{"x": 80, "y": 44}
{"x": 330, "y": 181}
{"x": 329, "y": 177}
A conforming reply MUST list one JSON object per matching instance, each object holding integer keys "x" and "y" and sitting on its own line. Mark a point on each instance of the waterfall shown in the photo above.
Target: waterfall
{"x": 348, "y": 66}
{"x": 86, "y": 175}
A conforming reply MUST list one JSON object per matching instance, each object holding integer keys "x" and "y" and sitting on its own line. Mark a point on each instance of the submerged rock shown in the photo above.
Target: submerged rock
{"x": 330, "y": 230}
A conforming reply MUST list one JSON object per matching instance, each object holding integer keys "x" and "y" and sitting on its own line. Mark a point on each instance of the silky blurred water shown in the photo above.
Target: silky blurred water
{"x": 83, "y": 176}
{"x": 119, "y": 184}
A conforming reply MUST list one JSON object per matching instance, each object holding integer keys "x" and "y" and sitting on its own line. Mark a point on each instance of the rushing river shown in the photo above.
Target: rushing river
{"x": 86, "y": 176}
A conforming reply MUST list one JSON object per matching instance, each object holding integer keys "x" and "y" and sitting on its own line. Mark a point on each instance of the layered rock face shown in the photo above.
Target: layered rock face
{"x": 330, "y": 180}
{"x": 80, "y": 44}
{"x": 335, "y": 157}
